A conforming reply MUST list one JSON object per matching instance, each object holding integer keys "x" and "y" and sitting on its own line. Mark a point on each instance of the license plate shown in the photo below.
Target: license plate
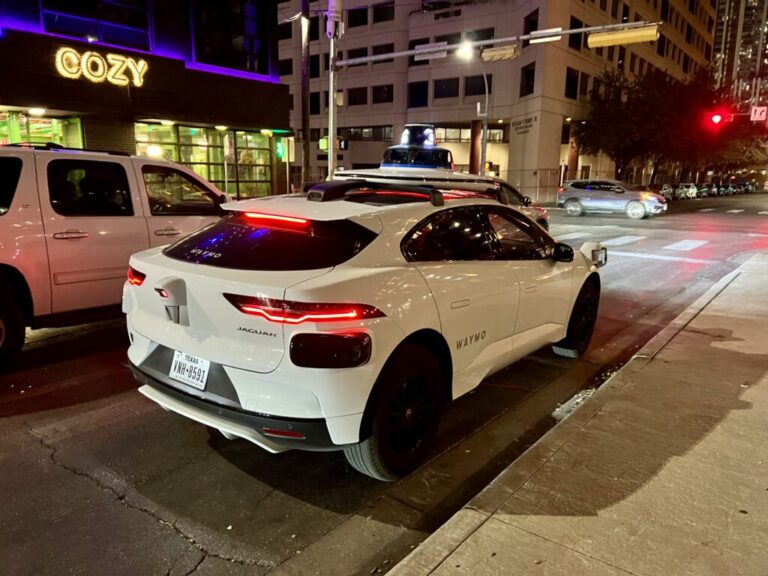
{"x": 189, "y": 369}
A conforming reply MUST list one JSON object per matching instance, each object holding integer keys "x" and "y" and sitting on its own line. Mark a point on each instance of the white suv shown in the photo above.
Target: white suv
{"x": 69, "y": 221}
{"x": 346, "y": 317}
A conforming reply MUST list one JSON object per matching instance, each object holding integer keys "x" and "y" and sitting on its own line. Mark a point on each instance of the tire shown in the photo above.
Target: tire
{"x": 574, "y": 208}
{"x": 11, "y": 327}
{"x": 581, "y": 323}
{"x": 636, "y": 211}
{"x": 406, "y": 405}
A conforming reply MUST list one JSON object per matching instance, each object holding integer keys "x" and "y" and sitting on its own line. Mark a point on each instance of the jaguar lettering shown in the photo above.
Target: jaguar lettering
{"x": 469, "y": 340}
{"x": 256, "y": 331}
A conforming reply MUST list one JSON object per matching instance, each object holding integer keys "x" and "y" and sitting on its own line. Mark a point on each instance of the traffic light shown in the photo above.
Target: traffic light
{"x": 716, "y": 118}
{"x": 280, "y": 149}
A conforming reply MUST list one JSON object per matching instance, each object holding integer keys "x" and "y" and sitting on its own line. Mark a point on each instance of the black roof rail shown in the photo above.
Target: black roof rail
{"x": 335, "y": 189}
{"x": 56, "y": 146}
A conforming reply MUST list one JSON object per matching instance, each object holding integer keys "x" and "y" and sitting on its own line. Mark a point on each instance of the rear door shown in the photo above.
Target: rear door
{"x": 93, "y": 222}
{"x": 176, "y": 201}
{"x": 476, "y": 294}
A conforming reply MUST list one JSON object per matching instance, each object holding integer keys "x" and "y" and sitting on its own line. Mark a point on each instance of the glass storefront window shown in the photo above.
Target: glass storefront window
{"x": 238, "y": 161}
{"x": 17, "y": 127}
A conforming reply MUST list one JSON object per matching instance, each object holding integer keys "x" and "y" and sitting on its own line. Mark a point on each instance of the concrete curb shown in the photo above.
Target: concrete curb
{"x": 431, "y": 553}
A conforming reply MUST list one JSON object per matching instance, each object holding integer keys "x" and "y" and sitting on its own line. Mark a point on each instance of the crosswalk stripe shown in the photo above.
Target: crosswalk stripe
{"x": 573, "y": 236}
{"x": 685, "y": 245}
{"x": 622, "y": 240}
{"x": 707, "y": 210}
{"x": 763, "y": 212}
{"x": 734, "y": 211}
{"x": 660, "y": 257}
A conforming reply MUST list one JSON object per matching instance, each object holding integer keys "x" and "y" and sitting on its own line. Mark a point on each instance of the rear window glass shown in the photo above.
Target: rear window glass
{"x": 243, "y": 243}
{"x": 10, "y": 170}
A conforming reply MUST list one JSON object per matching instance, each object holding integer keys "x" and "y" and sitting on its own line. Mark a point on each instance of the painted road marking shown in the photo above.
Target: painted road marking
{"x": 707, "y": 210}
{"x": 733, "y": 211}
{"x": 758, "y": 235}
{"x": 763, "y": 212}
{"x": 622, "y": 240}
{"x": 661, "y": 257}
{"x": 686, "y": 245}
{"x": 573, "y": 236}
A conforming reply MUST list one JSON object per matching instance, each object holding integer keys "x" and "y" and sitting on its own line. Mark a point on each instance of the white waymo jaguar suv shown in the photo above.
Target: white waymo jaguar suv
{"x": 344, "y": 318}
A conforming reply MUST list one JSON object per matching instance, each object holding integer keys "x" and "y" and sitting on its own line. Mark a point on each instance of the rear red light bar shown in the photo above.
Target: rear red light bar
{"x": 283, "y": 433}
{"x": 288, "y": 312}
{"x": 135, "y": 278}
{"x": 273, "y": 218}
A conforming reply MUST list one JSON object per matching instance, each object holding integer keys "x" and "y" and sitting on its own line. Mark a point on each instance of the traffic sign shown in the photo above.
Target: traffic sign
{"x": 431, "y": 55}
{"x": 759, "y": 114}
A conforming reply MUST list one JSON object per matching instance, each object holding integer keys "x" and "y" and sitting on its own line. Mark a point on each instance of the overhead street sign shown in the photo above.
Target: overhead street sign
{"x": 431, "y": 55}
{"x": 759, "y": 114}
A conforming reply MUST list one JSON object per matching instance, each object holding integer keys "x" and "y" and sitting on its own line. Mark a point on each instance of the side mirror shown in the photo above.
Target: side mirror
{"x": 527, "y": 201}
{"x": 562, "y": 253}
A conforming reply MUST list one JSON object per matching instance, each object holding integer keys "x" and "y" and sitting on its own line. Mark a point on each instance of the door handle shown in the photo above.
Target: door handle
{"x": 167, "y": 232}
{"x": 460, "y": 303}
{"x": 71, "y": 234}
{"x": 531, "y": 289}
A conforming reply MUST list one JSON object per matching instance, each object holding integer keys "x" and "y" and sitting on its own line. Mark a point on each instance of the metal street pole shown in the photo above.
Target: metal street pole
{"x": 485, "y": 119}
{"x": 304, "y": 90}
{"x": 332, "y": 31}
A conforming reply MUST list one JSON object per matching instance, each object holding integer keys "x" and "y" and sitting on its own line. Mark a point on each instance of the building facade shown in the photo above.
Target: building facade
{"x": 534, "y": 98}
{"x": 741, "y": 43}
{"x": 194, "y": 82}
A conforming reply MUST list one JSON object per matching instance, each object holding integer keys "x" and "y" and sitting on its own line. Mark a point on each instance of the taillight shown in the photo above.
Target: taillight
{"x": 135, "y": 278}
{"x": 330, "y": 350}
{"x": 268, "y": 219}
{"x": 561, "y": 190}
{"x": 288, "y": 312}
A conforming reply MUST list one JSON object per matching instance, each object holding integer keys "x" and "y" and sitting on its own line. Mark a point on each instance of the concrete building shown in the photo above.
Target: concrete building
{"x": 534, "y": 99}
{"x": 740, "y": 50}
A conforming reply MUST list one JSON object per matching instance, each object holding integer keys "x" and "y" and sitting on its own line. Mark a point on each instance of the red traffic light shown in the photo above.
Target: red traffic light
{"x": 716, "y": 119}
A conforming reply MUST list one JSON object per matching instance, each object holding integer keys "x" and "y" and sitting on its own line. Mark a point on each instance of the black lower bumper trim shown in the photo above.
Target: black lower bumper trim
{"x": 316, "y": 436}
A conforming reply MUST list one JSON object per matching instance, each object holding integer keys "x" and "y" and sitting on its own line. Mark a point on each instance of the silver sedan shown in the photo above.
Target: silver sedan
{"x": 579, "y": 197}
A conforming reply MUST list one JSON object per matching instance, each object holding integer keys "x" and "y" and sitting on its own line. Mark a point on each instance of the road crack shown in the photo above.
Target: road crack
{"x": 124, "y": 501}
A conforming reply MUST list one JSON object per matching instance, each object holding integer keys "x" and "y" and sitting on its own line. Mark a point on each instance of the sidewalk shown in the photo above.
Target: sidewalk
{"x": 664, "y": 470}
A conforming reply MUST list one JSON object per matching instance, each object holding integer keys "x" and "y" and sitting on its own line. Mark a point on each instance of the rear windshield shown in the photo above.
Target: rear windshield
{"x": 10, "y": 170}
{"x": 243, "y": 243}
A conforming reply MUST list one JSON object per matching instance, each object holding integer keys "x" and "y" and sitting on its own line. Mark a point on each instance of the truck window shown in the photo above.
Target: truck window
{"x": 170, "y": 191}
{"x": 89, "y": 188}
{"x": 10, "y": 170}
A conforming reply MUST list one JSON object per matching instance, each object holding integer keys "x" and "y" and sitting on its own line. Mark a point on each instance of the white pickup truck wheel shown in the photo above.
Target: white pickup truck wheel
{"x": 11, "y": 327}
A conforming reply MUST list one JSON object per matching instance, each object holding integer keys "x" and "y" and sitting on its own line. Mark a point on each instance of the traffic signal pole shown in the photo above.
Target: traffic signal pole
{"x": 332, "y": 31}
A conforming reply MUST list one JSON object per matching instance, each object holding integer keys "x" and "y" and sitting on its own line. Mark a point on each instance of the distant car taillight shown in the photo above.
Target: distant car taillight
{"x": 288, "y": 312}
{"x": 135, "y": 278}
{"x": 330, "y": 350}
{"x": 561, "y": 190}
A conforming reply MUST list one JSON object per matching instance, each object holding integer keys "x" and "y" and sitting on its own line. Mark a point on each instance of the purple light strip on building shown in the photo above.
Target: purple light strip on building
{"x": 24, "y": 26}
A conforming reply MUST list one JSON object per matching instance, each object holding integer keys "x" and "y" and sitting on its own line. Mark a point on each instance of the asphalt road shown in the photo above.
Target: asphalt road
{"x": 96, "y": 479}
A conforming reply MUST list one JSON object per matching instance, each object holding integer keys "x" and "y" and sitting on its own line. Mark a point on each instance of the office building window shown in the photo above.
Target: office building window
{"x": 574, "y": 40}
{"x": 571, "y": 83}
{"x": 584, "y": 84}
{"x": 481, "y": 34}
{"x": 314, "y": 66}
{"x": 383, "y": 12}
{"x": 314, "y": 102}
{"x": 314, "y": 28}
{"x": 357, "y": 17}
{"x": 285, "y": 31}
{"x": 418, "y": 94}
{"x": 475, "y": 85}
{"x": 286, "y": 67}
{"x": 411, "y": 45}
{"x": 382, "y": 94}
{"x": 530, "y": 24}
{"x": 622, "y": 57}
{"x": 527, "y": 79}
{"x": 446, "y": 88}
{"x": 449, "y": 38}
{"x": 357, "y": 96}
{"x": 383, "y": 49}
{"x": 357, "y": 53}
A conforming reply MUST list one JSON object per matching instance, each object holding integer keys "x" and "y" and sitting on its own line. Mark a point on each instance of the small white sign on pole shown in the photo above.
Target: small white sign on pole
{"x": 431, "y": 55}
{"x": 759, "y": 114}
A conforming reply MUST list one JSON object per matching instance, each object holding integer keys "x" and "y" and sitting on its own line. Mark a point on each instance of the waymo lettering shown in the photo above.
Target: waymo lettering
{"x": 113, "y": 68}
{"x": 471, "y": 339}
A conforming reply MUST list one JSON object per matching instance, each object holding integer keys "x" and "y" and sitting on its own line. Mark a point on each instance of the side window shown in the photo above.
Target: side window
{"x": 171, "y": 192}
{"x": 89, "y": 188}
{"x": 458, "y": 234}
{"x": 581, "y": 186}
{"x": 515, "y": 198}
{"x": 10, "y": 171}
{"x": 517, "y": 237}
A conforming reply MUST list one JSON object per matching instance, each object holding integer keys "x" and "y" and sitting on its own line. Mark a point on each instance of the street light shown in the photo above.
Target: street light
{"x": 466, "y": 52}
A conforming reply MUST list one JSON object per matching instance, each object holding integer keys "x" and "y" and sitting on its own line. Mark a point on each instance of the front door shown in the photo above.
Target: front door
{"x": 93, "y": 222}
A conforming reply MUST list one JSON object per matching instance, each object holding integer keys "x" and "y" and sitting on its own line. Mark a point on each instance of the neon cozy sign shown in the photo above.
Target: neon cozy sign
{"x": 113, "y": 68}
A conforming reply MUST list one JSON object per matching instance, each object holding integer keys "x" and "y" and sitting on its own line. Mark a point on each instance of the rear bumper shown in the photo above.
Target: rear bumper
{"x": 231, "y": 419}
